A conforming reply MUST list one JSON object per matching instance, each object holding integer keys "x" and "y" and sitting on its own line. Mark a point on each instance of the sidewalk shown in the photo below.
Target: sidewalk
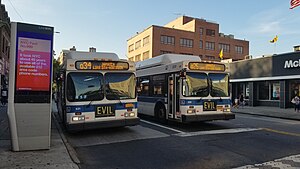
{"x": 56, "y": 157}
{"x": 268, "y": 112}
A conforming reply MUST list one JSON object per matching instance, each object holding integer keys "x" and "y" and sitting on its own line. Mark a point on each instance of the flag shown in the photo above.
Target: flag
{"x": 221, "y": 53}
{"x": 294, "y": 3}
{"x": 274, "y": 39}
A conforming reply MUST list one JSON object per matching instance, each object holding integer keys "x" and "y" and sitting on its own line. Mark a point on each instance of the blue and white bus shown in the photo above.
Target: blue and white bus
{"x": 96, "y": 90}
{"x": 184, "y": 89}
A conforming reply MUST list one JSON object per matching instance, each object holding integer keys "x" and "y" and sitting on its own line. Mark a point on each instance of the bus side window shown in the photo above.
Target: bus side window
{"x": 158, "y": 85}
{"x": 143, "y": 86}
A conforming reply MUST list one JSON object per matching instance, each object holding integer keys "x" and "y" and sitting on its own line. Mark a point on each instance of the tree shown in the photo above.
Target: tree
{"x": 56, "y": 68}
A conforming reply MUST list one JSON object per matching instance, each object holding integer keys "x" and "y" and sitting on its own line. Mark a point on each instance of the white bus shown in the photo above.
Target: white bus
{"x": 184, "y": 89}
{"x": 96, "y": 90}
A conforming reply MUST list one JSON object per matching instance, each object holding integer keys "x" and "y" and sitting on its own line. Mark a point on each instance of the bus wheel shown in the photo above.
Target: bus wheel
{"x": 161, "y": 114}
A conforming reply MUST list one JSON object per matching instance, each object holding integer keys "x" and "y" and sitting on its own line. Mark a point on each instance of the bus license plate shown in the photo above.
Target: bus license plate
{"x": 105, "y": 111}
{"x": 209, "y": 106}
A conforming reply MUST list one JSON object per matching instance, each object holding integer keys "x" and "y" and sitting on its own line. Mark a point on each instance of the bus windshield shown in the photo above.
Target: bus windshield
{"x": 83, "y": 86}
{"x": 119, "y": 86}
{"x": 219, "y": 85}
{"x": 195, "y": 85}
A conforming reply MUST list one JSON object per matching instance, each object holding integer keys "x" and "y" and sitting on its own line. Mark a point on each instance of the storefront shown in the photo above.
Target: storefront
{"x": 267, "y": 81}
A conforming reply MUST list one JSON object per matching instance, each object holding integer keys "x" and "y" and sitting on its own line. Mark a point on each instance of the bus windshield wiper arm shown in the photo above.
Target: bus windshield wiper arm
{"x": 89, "y": 103}
{"x": 116, "y": 95}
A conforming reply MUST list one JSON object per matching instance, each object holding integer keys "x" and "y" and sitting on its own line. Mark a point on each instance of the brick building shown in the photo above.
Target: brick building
{"x": 186, "y": 35}
{"x": 4, "y": 45}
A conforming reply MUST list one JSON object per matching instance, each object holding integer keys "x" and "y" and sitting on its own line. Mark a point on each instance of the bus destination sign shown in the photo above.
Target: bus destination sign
{"x": 206, "y": 66}
{"x": 101, "y": 65}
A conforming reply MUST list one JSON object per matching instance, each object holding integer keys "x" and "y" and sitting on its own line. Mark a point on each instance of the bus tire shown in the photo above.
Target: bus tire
{"x": 161, "y": 113}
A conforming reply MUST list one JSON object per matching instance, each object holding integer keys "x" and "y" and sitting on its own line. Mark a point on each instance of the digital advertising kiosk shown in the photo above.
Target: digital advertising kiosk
{"x": 30, "y": 76}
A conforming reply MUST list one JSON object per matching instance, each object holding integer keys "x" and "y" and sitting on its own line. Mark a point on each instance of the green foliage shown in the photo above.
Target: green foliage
{"x": 55, "y": 70}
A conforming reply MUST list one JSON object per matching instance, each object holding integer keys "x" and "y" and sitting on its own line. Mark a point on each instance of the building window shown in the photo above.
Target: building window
{"x": 247, "y": 90}
{"x": 210, "y": 32}
{"x": 210, "y": 57}
{"x": 186, "y": 42}
{"x": 225, "y": 47}
{"x": 138, "y": 44}
{"x": 130, "y": 48}
{"x": 263, "y": 91}
{"x": 186, "y": 53}
{"x": 275, "y": 89}
{"x": 146, "y": 40}
{"x": 168, "y": 40}
{"x": 164, "y": 52}
{"x": 201, "y": 44}
{"x": 201, "y": 31}
{"x": 146, "y": 55}
{"x": 269, "y": 90}
{"x": 131, "y": 59}
{"x": 210, "y": 45}
{"x": 294, "y": 88}
{"x": 239, "y": 49}
{"x": 137, "y": 58}
{"x": 243, "y": 88}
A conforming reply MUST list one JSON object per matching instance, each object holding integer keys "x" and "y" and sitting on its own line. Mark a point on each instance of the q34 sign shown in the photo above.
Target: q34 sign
{"x": 34, "y": 57}
{"x": 206, "y": 66}
{"x": 101, "y": 65}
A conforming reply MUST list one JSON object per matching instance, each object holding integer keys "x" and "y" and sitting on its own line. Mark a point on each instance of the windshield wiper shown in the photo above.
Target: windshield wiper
{"x": 101, "y": 94}
{"x": 89, "y": 103}
{"x": 218, "y": 91}
{"x": 117, "y": 97}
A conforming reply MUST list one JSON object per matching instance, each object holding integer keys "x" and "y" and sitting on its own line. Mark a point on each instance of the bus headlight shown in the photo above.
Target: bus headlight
{"x": 129, "y": 114}
{"x": 227, "y": 108}
{"x": 190, "y": 111}
{"x": 78, "y": 118}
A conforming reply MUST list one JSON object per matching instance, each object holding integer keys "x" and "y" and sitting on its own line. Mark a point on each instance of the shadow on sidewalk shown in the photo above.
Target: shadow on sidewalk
{"x": 5, "y": 143}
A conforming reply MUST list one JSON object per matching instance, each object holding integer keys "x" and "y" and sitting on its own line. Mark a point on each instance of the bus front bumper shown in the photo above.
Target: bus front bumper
{"x": 207, "y": 117}
{"x": 102, "y": 124}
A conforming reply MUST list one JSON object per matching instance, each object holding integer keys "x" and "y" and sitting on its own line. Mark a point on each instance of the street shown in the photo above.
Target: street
{"x": 243, "y": 141}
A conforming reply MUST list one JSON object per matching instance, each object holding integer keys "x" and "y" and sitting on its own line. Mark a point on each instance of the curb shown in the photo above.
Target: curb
{"x": 69, "y": 148}
{"x": 265, "y": 115}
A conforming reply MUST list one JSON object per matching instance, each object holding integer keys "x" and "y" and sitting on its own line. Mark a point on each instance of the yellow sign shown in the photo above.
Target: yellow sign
{"x": 129, "y": 105}
{"x": 206, "y": 66}
{"x": 104, "y": 111}
{"x": 209, "y": 106}
{"x": 101, "y": 65}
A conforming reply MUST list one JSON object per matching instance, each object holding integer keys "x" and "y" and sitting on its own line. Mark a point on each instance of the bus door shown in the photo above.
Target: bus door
{"x": 173, "y": 95}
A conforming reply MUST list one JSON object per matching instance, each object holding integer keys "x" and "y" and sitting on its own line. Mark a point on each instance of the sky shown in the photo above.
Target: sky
{"x": 106, "y": 25}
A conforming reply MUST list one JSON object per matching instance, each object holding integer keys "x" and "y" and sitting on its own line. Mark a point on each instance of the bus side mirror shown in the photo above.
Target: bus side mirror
{"x": 182, "y": 73}
{"x": 138, "y": 89}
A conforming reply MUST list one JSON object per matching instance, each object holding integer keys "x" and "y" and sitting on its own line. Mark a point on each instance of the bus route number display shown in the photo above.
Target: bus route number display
{"x": 101, "y": 65}
{"x": 206, "y": 66}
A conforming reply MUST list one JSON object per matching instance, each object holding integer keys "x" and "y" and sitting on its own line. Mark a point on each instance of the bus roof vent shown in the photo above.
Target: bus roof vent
{"x": 89, "y": 55}
{"x": 165, "y": 59}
